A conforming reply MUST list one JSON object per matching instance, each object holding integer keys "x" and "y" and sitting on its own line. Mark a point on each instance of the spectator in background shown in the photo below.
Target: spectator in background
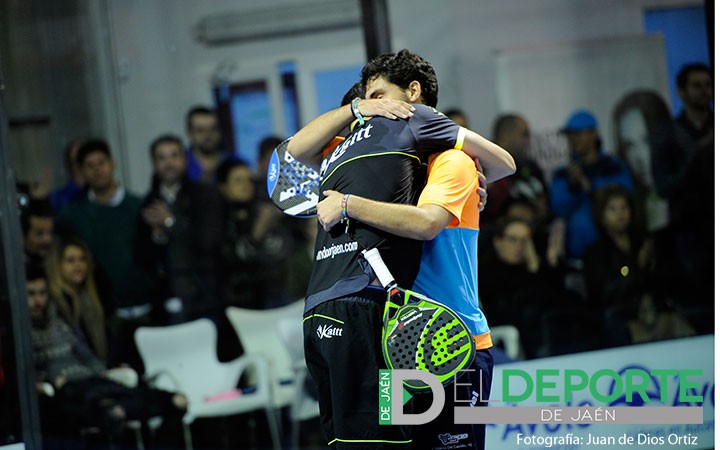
{"x": 511, "y": 131}
{"x": 458, "y": 116}
{"x": 302, "y": 259}
{"x": 38, "y": 225}
{"x": 75, "y": 295}
{"x": 516, "y": 286}
{"x": 279, "y": 236}
{"x": 619, "y": 262}
{"x": 637, "y": 116}
{"x": 695, "y": 88}
{"x": 85, "y": 394}
{"x": 241, "y": 255}
{"x": 106, "y": 220}
{"x": 549, "y": 240}
{"x": 265, "y": 150}
{"x": 180, "y": 235}
{"x": 75, "y": 186}
{"x": 573, "y": 185}
{"x": 259, "y": 241}
{"x": 682, "y": 167}
{"x": 692, "y": 230}
{"x": 204, "y": 152}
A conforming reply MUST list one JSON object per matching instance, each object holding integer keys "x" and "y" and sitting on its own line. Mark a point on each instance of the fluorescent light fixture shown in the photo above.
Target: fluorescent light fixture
{"x": 278, "y": 21}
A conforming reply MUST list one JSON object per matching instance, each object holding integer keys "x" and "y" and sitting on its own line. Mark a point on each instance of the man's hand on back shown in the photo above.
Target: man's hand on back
{"x": 330, "y": 209}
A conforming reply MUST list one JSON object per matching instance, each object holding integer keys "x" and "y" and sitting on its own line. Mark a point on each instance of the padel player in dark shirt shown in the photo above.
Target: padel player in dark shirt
{"x": 384, "y": 160}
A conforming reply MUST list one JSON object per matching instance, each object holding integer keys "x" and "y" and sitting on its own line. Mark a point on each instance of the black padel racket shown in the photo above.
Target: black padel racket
{"x": 292, "y": 186}
{"x": 419, "y": 332}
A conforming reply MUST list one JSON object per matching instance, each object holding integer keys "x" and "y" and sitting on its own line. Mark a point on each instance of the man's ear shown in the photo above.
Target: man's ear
{"x": 414, "y": 91}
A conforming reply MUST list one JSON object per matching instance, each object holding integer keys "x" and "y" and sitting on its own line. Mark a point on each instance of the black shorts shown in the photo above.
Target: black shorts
{"x": 344, "y": 354}
{"x": 442, "y": 433}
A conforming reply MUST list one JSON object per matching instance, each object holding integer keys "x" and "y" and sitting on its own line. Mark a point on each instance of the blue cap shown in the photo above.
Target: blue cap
{"x": 580, "y": 120}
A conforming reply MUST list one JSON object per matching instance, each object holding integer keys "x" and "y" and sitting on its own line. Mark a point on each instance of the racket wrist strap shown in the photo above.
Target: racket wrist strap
{"x": 372, "y": 256}
{"x": 343, "y": 206}
{"x": 355, "y": 108}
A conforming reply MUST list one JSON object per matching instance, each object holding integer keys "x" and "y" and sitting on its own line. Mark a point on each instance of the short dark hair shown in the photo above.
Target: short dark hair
{"x": 455, "y": 112}
{"x": 504, "y": 222}
{"x": 165, "y": 139}
{"x": 682, "y": 77}
{"x": 356, "y": 90}
{"x": 401, "y": 69}
{"x": 92, "y": 146}
{"x": 197, "y": 110}
{"x": 34, "y": 271}
{"x": 37, "y": 207}
{"x": 267, "y": 145}
{"x": 503, "y": 124}
{"x": 223, "y": 171}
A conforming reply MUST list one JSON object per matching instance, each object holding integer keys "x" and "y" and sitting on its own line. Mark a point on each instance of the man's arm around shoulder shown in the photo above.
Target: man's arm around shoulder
{"x": 410, "y": 221}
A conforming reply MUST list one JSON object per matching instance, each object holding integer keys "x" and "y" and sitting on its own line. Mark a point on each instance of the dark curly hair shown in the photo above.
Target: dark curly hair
{"x": 602, "y": 197}
{"x": 356, "y": 90}
{"x": 401, "y": 69}
{"x": 92, "y": 146}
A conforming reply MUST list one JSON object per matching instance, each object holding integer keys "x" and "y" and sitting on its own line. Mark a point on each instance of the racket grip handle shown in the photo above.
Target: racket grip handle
{"x": 378, "y": 266}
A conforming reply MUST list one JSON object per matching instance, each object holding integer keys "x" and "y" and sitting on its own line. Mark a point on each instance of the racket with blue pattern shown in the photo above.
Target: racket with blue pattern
{"x": 292, "y": 186}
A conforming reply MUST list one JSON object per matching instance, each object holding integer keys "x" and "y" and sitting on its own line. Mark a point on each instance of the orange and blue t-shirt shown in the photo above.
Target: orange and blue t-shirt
{"x": 448, "y": 267}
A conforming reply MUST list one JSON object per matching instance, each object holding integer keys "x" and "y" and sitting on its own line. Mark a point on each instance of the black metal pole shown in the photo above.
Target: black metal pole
{"x": 376, "y": 27}
{"x": 710, "y": 28}
{"x": 21, "y": 374}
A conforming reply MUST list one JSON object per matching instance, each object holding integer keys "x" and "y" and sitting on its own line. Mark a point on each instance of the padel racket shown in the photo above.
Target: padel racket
{"x": 419, "y": 332}
{"x": 292, "y": 186}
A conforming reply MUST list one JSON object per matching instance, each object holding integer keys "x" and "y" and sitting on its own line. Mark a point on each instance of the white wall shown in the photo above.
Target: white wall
{"x": 161, "y": 70}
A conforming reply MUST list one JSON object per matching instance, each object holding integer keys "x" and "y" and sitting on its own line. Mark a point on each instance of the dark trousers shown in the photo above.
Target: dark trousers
{"x": 89, "y": 403}
{"x": 442, "y": 433}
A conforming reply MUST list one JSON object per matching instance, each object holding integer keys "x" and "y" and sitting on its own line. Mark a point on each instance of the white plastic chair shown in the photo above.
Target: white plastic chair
{"x": 183, "y": 358}
{"x": 259, "y": 335}
{"x": 277, "y": 335}
{"x": 304, "y": 406}
{"x": 508, "y": 337}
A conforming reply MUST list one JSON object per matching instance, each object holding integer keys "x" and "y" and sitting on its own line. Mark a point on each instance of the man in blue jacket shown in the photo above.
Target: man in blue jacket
{"x": 573, "y": 185}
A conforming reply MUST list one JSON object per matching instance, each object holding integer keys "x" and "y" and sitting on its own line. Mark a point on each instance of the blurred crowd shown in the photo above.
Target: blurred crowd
{"x": 612, "y": 247}
{"x": 615, "y": 246}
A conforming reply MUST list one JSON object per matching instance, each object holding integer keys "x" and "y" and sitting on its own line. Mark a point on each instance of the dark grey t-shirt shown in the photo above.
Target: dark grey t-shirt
{"x": 383, "y": 160}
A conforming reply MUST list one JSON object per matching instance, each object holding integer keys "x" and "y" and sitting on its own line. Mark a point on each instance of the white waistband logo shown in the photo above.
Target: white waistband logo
{"x": 328, "y": 331}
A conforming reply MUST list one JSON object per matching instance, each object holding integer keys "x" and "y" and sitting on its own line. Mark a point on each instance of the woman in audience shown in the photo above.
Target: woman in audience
{"x": 240, "y": 252}
{"x": 622, "y": 257}
{"x": 619, "y": 262}
{"x": 260, "y": 241}
{"x": 74, "y": 293}
{"x": 514, "y": 286}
